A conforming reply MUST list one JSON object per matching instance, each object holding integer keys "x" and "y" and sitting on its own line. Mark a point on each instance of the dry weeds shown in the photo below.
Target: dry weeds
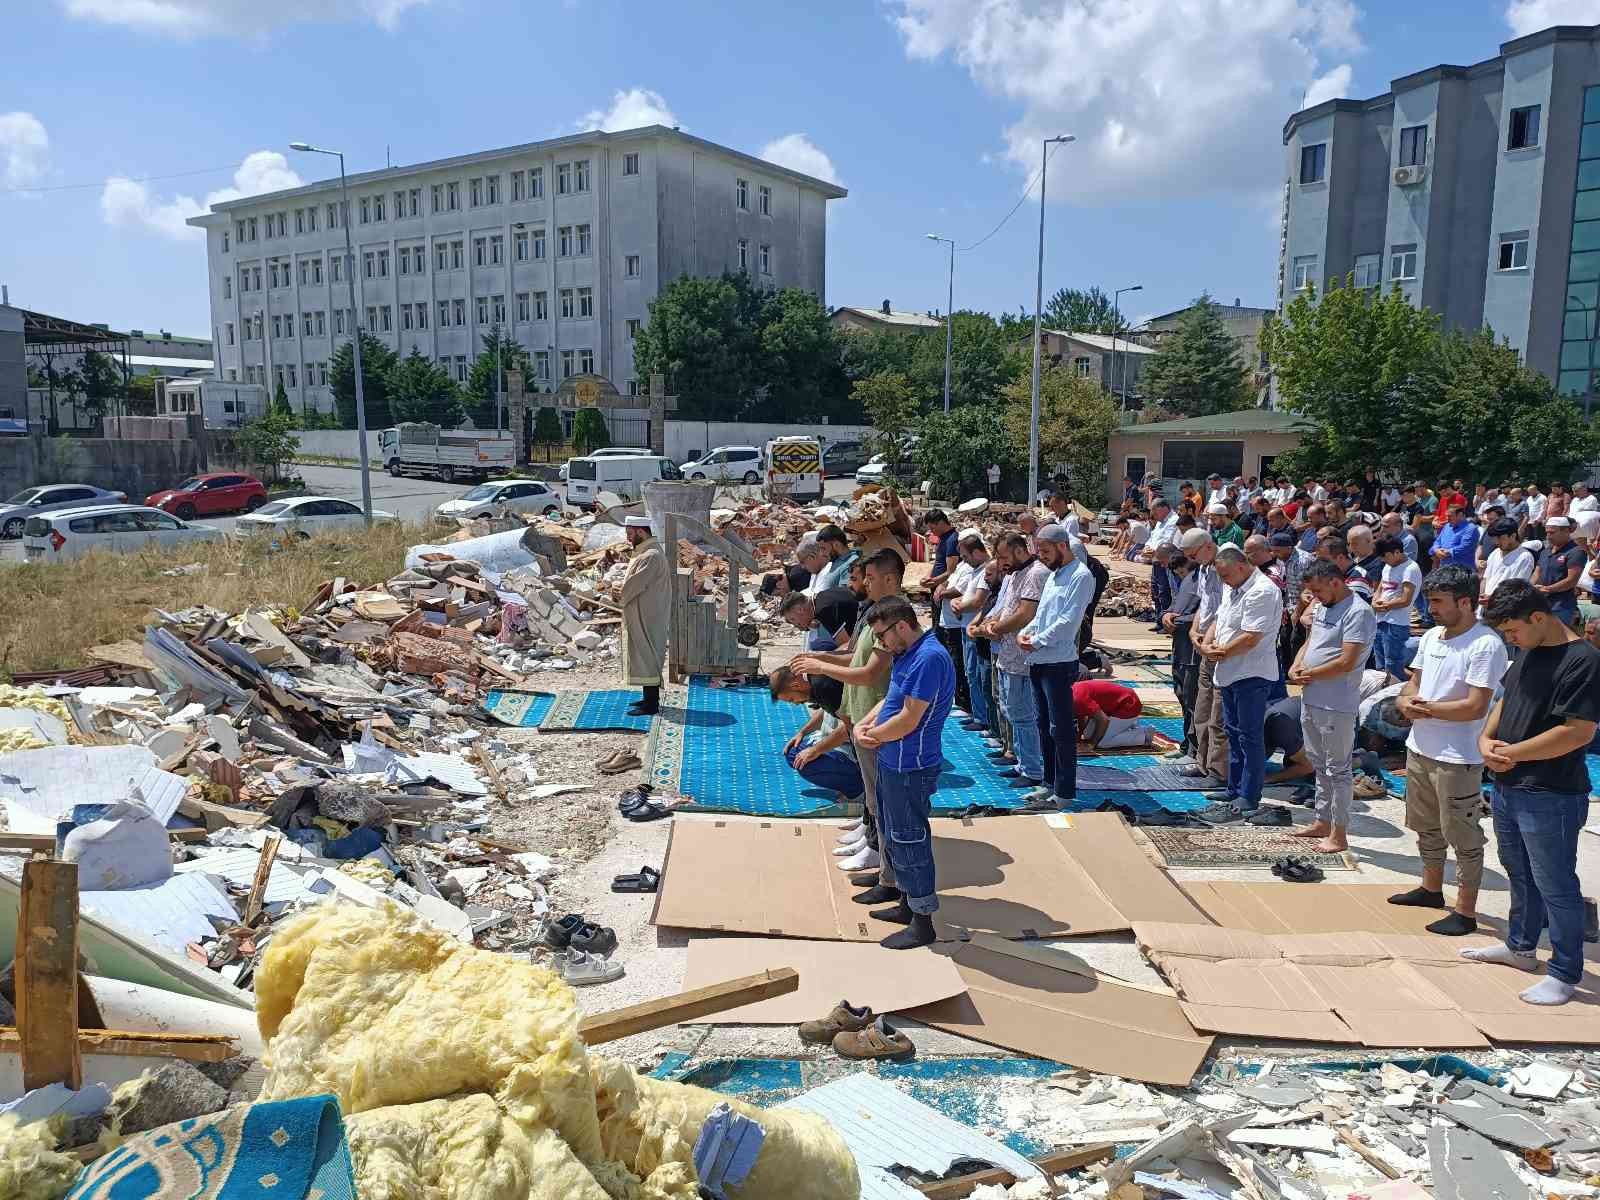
{"x": 50, "y": 614}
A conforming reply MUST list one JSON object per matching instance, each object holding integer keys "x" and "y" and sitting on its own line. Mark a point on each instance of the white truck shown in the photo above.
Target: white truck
{"x": 416, "y": 448}
{"x": 794, "y": 468}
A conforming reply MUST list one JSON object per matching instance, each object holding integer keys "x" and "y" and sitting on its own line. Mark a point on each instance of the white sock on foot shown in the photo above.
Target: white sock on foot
{"x": 854, "y": 844}
{"x": 864, "y": 859}
{"x": 1548, "y": 990}
{"x": 1504, "y": 955}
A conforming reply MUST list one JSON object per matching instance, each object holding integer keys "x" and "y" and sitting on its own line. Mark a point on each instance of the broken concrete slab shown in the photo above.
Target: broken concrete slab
{"x": 1498, "y": 1124}
{"x": 1467, "y": 1166}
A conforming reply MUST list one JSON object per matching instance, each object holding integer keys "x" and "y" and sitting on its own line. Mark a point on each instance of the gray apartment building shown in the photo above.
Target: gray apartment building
{"x": 561, "y": 244}
{"x": 1475, "y": 189}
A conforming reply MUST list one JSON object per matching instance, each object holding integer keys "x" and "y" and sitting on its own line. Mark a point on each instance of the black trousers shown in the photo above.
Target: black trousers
{"x": 1186, "y": 683}
{"x": 950, "y": 639}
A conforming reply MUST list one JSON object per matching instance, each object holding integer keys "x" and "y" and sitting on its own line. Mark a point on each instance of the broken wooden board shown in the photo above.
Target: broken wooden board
{"x": 47, "y": 975}
{"x": 686, "y": 1006}
{"x": 197, "y": 1047}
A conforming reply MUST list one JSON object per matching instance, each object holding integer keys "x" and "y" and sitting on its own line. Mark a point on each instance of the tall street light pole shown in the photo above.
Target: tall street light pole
{"x": 1038, "y": 306}
{"x": 355, "y": 325}
{"x": 949, "y": 314}
{"x": 1116, "y": 315}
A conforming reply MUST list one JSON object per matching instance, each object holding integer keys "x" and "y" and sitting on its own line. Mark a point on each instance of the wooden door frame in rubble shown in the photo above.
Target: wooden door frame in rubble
{"x": 694, "y": 644}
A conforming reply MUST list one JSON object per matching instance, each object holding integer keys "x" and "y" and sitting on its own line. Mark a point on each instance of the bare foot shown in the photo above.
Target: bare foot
{"x": 1332, "y": 845}
{"x": 1317, "y": 829}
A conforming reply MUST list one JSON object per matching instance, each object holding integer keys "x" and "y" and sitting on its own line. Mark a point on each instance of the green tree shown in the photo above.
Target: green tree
{"x": 589, "y": 431}
{"x": 421, "y": 390}
{"x": 377, "y": 361}
{"x": 1082, "y": 311}
{"x": 889, "y": 403}
{"x": 982, "y": 362}
{"x": 801, "y": 366}
{"x": 100, "y": 383}
{"x": 141, "y": 396}
{"x": 547, "y": 429}
{"x": 269, "y": 440}
{"x": 863, "y": 354}
{"x": 702, "y": 336}
{"x": 1196, "y": 372}
{"x": 486, "y": 369}
{"x": 1076, "y": 420}
{"x": 956, "y": 451}
{"x": 280, "y": 400}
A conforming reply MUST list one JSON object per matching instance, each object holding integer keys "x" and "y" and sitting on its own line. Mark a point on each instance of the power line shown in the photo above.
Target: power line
{"x": 1014, "y": 207}
{"x": 74, "y": 187}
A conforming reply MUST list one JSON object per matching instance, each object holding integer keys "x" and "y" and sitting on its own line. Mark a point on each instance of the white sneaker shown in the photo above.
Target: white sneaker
{"x": 864, "y": 859}
{"x": 850, "y": 847}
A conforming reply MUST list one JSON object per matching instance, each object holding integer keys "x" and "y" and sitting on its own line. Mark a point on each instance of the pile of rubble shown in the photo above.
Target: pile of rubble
{"x": 1126, "y": 596}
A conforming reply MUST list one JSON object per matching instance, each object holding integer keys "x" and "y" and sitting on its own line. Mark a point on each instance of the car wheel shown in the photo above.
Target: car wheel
{"x": 394, "y": 467}
{"x": 552, "y": 511}
{"x": 253, "y": 503}
{"x": 302, "y": 535}
{"x": 185, "y": 512}
{"x": 751, "y": 477}
{"x": 13, "y": 528}
{"x": 448, "y": 474}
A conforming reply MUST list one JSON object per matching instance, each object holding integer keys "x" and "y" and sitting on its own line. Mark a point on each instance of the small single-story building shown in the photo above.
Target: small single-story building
{"x": 1116, "y": 363}
{"x": 1236, "y": 443}
{"x": 883, "y": 320}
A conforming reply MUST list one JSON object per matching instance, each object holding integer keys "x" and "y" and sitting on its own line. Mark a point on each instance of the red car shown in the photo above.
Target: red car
{"x": 202, "y": 495}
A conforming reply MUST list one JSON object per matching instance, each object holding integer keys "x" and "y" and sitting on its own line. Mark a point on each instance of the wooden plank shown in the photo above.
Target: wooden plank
{"x": 497, "y": 781}
{"x": 258, "y": 885}
{"x": 1052, "y": 1165}
{"x": 197, "y": 1047}
{"x": 46, "y": 842}
{"x": 220, "y": 816}
{"x": 47, "y": 975}
{"x": 1367, "y": 1152}
{"x": 685, "y": 1006}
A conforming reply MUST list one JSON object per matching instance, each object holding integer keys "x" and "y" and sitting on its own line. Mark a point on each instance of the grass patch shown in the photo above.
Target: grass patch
{"x": 50, "y": 614}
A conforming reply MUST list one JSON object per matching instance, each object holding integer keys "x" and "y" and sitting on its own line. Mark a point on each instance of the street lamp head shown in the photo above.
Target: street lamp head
{"x": 1063, "y": 138}
{"x": 1138, "y": 287}
{"x": 301, "y": 146}
{"x": 933, "y": 237}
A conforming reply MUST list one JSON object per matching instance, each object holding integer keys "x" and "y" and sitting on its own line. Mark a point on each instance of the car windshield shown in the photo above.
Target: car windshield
{"x": 484, "y": 491}
{"x": 188, "y": 485}
{"x": 276, "y": 509}
{"x": 23, "y": 496}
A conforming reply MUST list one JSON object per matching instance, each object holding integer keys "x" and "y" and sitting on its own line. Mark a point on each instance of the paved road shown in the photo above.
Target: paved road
{"x": 412, "y": 500}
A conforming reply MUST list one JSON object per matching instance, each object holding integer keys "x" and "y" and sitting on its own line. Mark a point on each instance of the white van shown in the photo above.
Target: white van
{"x": 589, "y": 476}
{"x": 794, "y": 467}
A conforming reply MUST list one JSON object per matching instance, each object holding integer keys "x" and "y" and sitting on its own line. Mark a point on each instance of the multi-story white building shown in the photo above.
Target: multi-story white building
{"x": 562, "y": 244}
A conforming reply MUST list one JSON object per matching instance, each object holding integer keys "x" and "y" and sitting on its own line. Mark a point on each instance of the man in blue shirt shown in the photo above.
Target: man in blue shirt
{"x": 1051, "y": 643}
{"x": 1457, "y": 543}
{"x": 905, "y": 729}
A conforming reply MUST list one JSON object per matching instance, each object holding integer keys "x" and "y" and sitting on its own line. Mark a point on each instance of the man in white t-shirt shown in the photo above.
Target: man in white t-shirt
{"x": 1217, "y": 491}
{"x": 1509, "y": 559}
{"x": 965, "y": 607}
{"x": 1583, "y": 500}
{"x": 1457, "y": 668}
{"x": 1536, "y": 501}
{"x": 1398, "y": 587}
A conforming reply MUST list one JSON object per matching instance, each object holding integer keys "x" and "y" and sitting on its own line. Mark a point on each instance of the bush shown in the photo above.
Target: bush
{"x": 589, "y": 431}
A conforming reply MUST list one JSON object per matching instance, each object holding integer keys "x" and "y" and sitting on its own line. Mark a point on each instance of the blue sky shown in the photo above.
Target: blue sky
{"x": 929, "y": 111}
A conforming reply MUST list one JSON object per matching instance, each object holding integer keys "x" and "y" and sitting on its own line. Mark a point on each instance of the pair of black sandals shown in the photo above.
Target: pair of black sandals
{"x": 1297, "y": 868}
{"x": 636, "y": 804}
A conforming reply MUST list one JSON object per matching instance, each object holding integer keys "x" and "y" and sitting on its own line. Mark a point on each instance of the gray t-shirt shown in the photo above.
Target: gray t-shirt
{"x": 1350, "y": 620}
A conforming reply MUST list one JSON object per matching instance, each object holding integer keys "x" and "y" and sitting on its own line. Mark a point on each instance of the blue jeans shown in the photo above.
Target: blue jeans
{"x": 905, "y": 800}
{"x": 1016, "y": 694}
{"x": 834, "y": 771}
{"x": 1390, "y": 648}
{"x": 978, "y": 668}
{"x": 1244, "y": 719}
{"x": 1537, "y": 835}
{"x": 1058, "y": 727}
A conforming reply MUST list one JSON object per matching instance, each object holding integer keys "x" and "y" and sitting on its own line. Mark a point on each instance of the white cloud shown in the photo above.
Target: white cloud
{"x": 799, "y": 153}
{"x": 1188, "y": 95}
{"x": 129, "y": 203}
{"x": 234, "y": 18}
{"x": 1332, "y": 86}
{"x": 23, "y": 147}
{"x": 630, "y": 109}
{"x": 1530, "y": 16}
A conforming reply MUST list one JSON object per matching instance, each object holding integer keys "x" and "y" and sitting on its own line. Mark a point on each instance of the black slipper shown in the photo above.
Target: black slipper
{"x": 646, "y": 879}
{"x": 647, "y": 810}
{"x": 1299, "y": 869}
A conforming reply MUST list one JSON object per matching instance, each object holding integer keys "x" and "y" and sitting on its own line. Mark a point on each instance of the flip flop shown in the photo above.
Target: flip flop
{"x": 646, "y": 879}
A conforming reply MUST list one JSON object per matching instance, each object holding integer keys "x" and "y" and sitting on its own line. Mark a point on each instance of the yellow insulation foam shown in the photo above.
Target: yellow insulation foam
{"x": 30, "y": 1168}
{"x": 462, "y": 1076}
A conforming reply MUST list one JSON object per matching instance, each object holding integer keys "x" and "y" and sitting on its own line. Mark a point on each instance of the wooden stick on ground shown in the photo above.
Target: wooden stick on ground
{"x": 686, "y": 1006}
{"x": 1052, "y": 1165}
{"x": 195, "y": 1047}
{"x": 258, "y": 885}
{"x": 1366, "y": 1152}
{"x": 47, "y": 975}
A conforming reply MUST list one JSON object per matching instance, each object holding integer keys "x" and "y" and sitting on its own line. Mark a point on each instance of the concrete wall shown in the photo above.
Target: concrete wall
{"x": 135, "y": 467}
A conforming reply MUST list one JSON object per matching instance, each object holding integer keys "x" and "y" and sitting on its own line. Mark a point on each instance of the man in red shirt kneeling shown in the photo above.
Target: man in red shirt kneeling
{"x": 1108, "y": 715}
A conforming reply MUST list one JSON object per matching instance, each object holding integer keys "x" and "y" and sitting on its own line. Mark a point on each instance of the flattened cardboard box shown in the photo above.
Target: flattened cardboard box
{"x": 883, "y": 980}
{"x": 1011, "y": 876}
{"x": 1037, "y": 1001}
{"x": 1297, "y": 908}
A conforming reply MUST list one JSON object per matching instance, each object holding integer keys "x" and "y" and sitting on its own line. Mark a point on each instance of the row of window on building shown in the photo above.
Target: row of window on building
{"x": 1522, "y": 133}
{"x": 1511, "y": 255}
{"x": 576, "y": 361}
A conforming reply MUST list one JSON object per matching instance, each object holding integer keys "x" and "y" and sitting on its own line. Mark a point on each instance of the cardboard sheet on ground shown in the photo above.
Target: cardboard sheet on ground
{"x": 865, "y": 973}
{"x": 1318, "y": 908}
{"x": 1000, "y": 875}
{"x": 1037, "y": 1001}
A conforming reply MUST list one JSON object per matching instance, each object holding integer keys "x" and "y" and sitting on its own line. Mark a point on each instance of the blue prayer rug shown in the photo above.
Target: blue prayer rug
{"x": 281, "y": 1150}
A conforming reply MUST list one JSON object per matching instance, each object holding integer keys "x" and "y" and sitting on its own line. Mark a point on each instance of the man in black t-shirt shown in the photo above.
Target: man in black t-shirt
{"x": 1534, "y": 741}
{"x": 817, "y": 750}
{"x": 827, "y": 619}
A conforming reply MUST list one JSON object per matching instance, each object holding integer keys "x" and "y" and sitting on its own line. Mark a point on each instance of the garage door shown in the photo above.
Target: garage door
{"x": 1193, "y": 461}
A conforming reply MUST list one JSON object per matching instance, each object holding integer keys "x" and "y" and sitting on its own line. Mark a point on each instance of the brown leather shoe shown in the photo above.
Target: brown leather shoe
{"x": 843, "y": 1019}
{"x": 878, "y": 1040}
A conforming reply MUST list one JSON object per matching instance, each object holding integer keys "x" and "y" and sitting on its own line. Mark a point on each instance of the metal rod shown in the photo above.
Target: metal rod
{"x": 1038, "y": 305}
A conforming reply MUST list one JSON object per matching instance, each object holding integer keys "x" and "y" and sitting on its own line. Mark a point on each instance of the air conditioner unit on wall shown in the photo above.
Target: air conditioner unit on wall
{"x": 1404, "y": 176}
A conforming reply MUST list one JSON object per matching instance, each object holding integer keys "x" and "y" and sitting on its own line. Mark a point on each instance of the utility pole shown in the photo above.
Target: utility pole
{"x": 1038, "y": 305}
{"x": 1116, "y": 315}
{"x": 949, "y": 316}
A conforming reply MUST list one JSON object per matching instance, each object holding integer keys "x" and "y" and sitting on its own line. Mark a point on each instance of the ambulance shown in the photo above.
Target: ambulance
{"x": 794, "y": 467}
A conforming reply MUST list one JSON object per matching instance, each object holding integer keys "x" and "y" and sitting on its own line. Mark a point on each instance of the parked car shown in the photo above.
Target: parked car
{"x": 843, "y": 458}
{"x": 306, "y": 515}
{"x": 726, "y": 464}
{"x": 50, "y": 497}
{"x": 610, "y": 452}
{"x": 873, "y": 470}
{"x": 625, "y": 477}
{"x": 117, "y": 528}
{"x": 205, "y": 495}
{"x": 505, "y": 495}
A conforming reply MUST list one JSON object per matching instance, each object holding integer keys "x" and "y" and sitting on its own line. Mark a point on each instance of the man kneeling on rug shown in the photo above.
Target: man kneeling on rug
{"x": 906, "y": 731}
{"x": 819, "y": 749}
{"x": 1108, "y": 715}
